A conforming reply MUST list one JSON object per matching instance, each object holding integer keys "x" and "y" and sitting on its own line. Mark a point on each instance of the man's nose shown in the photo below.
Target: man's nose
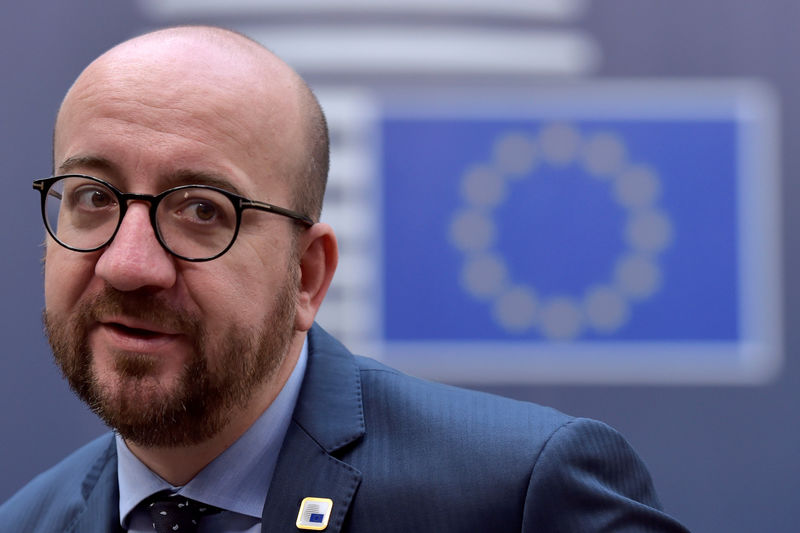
{"x": 135, "y": 259}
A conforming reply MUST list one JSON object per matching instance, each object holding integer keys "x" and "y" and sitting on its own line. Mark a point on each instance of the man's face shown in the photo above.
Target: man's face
{"x": 161, "y": 348}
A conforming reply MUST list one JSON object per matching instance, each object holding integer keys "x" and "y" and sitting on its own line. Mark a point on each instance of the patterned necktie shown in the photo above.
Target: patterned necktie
{"x": 173, "y": 513}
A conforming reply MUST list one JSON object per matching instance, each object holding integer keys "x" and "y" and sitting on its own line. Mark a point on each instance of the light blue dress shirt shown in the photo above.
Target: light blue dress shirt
{"x": 236, "y": 481}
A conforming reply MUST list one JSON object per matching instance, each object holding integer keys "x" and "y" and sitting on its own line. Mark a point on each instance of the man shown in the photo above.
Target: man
{"x": 184, "y": 268}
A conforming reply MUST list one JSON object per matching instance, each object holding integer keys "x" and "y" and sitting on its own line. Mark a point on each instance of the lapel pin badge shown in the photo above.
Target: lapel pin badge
{"x": 314, "y": 513}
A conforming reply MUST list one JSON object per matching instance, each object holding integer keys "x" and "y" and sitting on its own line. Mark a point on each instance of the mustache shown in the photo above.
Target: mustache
{"x": 140, "y": 305}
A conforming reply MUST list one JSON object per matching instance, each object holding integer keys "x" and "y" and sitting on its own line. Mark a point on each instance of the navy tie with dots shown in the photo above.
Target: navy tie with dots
{"x": 173, "y": 513}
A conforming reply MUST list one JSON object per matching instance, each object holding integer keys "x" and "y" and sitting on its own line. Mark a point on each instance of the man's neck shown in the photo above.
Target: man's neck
{"x": 178, "y": 465}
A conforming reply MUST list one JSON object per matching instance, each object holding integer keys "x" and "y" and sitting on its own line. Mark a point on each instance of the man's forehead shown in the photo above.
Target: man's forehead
{"x": 174, "y": 68}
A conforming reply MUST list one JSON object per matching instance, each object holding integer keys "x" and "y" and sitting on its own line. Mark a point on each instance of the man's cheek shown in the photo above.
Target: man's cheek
{"x": 67, "y": 279}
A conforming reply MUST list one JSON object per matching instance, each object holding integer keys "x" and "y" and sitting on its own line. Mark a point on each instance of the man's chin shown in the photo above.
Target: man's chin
{"x": 130, "y": 395}
{"x": 136, "y": 368}
{"x": 133, "y": 381}
{"x": 146, "y": 412}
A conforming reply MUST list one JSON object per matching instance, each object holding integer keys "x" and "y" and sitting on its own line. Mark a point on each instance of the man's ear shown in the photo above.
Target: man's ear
{"x": 319, "y": 255}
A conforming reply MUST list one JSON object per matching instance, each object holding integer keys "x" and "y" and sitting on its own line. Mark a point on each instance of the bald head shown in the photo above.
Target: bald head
{"x": 210, "y": 77}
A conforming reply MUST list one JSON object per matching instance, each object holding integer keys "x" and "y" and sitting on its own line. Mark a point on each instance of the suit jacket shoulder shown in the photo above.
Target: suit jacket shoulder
{"x": 78, "y": 494}
{"x": 396, "y": 453}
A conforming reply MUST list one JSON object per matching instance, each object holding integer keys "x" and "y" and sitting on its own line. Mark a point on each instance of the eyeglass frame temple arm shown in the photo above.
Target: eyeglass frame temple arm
{"x": 255, "y": 204}
{"x": 39, "y": 186}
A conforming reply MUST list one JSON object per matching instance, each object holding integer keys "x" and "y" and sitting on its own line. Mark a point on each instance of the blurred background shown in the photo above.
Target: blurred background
{"x": 582, "y": 204}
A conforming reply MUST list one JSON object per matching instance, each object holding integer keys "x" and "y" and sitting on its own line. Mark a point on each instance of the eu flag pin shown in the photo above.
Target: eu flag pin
{"x": 314, "y": 513}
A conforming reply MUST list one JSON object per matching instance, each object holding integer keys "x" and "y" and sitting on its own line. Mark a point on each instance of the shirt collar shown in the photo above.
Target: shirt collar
{"x": 238, "y": 479}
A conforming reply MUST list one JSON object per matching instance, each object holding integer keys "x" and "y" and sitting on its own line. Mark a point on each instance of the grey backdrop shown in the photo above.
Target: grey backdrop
{"x": 724, "y": 458}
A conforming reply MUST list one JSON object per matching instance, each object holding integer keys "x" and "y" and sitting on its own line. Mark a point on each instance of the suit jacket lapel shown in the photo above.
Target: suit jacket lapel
{"x": 328, "y": 417}
{"x": 100, "y": 491}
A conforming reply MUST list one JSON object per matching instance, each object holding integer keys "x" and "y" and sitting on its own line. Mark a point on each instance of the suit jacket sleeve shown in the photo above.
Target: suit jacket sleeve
{"x": 588, "y": 478}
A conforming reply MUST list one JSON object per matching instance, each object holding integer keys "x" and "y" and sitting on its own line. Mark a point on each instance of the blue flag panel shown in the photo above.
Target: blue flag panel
{"x": 597, "y": 241}
{"x": 560, "y": 230}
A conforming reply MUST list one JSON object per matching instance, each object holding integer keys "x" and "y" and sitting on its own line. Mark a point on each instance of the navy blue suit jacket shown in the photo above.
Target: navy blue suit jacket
{"x": 398, "y": 454}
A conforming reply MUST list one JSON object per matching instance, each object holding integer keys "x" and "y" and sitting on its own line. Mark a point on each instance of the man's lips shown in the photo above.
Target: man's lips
{"x": 137, "y": 327}
{"x": 134, "y": 335}
{"x": 137, "y": 332}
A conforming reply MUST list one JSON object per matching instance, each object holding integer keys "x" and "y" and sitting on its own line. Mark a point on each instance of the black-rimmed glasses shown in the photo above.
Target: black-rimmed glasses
{"x": 192, "y": 222}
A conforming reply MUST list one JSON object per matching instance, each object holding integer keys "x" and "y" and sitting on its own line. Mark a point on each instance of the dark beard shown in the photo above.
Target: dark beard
{"x": 200, "y": 405}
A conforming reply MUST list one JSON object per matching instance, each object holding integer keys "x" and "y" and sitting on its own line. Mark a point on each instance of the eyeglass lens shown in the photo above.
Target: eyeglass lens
{"x": 193, "y": 222}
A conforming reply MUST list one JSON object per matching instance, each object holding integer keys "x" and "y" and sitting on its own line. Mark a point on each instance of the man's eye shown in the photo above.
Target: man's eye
{"x": 196, "y": 209}
{"x": 204, "y": 211}
{"x": 92, "y": 198}
{"x": 199, "y": 212}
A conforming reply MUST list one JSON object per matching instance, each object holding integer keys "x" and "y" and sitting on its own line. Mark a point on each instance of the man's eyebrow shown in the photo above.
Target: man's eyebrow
{"x": 84, "y": 161}
{"x": 199, "y": 177}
